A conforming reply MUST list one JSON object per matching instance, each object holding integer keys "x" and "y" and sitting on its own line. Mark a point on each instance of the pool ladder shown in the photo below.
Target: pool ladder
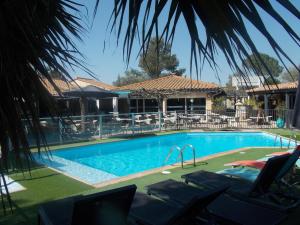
{"x": 280, "y": 139}
{"x": 291, "y": 138}
{"x": 180, "y": 153}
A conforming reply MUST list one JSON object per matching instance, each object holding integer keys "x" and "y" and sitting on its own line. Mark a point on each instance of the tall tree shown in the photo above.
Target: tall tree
{"x": 265, "y": 66}
{"x": 131, "y": 76}
{"x": 291, "y": 75}
{"x": 229, "y": 82}
{"x": 158, "y": 59}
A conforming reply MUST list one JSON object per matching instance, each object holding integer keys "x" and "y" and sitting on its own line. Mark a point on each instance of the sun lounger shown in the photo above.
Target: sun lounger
{"x": 257, "y": 191}
{"x": 259, "y": 164}
{"x": 293, "y": 158}
{"x": 149, "y": 211}
{"x": 249, "y": 163}
{"x": 108, "y": 207}
{"x": 152, "y": 211}
{"x": 223, "y": 208}
{"x": 118, "y": 206}
{"x": 242, "y": 212}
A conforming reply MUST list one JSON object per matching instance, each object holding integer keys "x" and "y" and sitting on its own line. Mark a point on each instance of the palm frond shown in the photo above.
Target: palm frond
{"x": 223, "y": 21}
{"x": 35, "y": 39}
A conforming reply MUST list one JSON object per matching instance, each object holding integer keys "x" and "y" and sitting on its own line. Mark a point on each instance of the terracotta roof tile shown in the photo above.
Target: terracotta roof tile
{"x": 282, "y": 86}
{"x": 170, "y": 82}
{"x": 96, "y": 83}
{"x": 61, "y": 84}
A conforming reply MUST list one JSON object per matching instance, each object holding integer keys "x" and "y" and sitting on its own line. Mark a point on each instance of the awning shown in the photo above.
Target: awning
{"x": 90, "y": 91}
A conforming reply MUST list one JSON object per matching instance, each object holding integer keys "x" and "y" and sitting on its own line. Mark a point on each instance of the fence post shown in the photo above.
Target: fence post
{"x": 176, "y": 119}
{"x": 100, "y": 126}
{"x": 159, "y": 118}
{"x": 60, "y": 127}
{"x": 132, "y": 123}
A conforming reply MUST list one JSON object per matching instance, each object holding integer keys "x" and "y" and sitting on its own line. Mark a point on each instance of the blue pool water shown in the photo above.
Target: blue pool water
{"x": 100, "y": 162}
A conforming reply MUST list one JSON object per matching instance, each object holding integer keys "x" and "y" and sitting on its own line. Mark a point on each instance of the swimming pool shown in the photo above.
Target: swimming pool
{"x": 101, "y": 162}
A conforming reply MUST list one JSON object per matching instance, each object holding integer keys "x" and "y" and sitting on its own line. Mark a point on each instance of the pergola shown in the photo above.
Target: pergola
{"x": 284, "y": 91}
{"x": 170, "y": 93}
{"x": 88, "y": 92}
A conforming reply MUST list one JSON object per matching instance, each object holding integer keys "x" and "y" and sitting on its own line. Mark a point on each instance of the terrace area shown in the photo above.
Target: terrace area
{"x": 90, "y": 127}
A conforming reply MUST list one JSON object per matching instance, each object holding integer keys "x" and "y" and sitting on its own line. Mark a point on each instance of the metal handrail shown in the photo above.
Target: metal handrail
{"x": 171, "y": 151}
{"x": 292, "y": 138}
{"x": 280, "y": 139}
{"x": 194, "y": 153}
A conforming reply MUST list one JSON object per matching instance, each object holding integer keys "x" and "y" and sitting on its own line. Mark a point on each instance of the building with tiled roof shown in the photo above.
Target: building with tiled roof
{"x": 275, "y": 95}
{"x": 170, "y": 93}
{"x": 171, "y": 82}
{"x": 83, "y": 82}
{"x": 71, "y": 105}
{"x": 283, "y": 87}
{"x": 60, "y": 84}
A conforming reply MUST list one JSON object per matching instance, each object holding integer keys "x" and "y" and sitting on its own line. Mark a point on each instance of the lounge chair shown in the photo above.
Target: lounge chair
{"x": 293, "y": 160}
{"x": 116, "y": 207}
{"x": 152, "y": 211}
{"x": 260, "y": 164}
{"x": 223, "y": 209}
{"x": 108, "y": 207}
{"x": 257, "y": 191}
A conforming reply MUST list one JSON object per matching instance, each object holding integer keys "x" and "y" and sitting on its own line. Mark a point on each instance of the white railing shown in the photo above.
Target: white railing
{"x": 78, "y": 128}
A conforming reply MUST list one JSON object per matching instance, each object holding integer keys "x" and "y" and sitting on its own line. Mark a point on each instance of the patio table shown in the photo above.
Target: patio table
{"x": 169, "y": 118}
{"x": 227, "y": 117}
{"x": 123, "y": 119}
{"x": 261, "y": 117}
{"x": 147, "y": 121}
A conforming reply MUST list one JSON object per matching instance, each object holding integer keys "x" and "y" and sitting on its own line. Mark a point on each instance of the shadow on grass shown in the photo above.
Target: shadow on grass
{"x": 36, "y": 177}
{"x": 20, "y": 216}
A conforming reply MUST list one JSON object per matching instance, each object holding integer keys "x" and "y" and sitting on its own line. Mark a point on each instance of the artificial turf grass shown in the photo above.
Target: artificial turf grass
{"x": 288, "y": 133}
{"x": 42, "y": 186}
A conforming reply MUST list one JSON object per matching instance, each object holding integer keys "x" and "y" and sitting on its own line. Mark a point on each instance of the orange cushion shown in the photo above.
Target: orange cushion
{"x": 279, "y": 153}
{"x": 249, "y": 163}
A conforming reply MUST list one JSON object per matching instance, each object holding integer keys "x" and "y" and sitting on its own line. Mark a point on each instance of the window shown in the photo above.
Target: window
{"x": 132, "y": 107}
{"x": 175, "y": 104}
{"x": 151, "y": 105}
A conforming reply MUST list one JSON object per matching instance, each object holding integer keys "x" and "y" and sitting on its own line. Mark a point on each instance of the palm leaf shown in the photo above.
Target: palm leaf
{"x": 35, "y": 39}
{"x": 223, "y": 21}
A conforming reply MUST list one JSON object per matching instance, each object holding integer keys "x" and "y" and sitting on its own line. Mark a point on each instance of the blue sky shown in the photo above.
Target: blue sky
{"x": 108, "y": 64}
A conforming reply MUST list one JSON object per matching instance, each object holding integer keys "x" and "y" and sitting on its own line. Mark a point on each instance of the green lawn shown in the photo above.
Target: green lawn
{"x": 45, "y": 185}
{"x": 285, "y": 133}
